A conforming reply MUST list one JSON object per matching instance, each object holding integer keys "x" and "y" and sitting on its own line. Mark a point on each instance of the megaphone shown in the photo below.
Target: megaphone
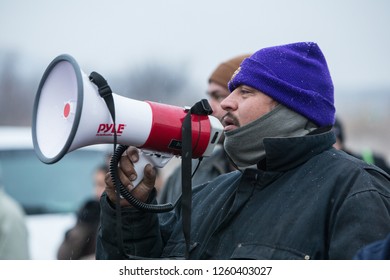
{"x": 69, "y": 113}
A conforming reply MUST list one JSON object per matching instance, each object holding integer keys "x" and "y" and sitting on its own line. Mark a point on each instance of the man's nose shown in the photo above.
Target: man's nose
{"x": 228, "y": 104}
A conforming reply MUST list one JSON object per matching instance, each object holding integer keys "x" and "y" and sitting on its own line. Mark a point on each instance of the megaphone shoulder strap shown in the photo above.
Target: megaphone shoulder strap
{"x": 106, "y": 93}
{"x": 200, "y": 108}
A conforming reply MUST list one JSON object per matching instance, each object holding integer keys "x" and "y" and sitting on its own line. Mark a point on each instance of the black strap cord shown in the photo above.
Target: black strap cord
{"x": 200, "y": 108}
{"x": 106, "y": 93}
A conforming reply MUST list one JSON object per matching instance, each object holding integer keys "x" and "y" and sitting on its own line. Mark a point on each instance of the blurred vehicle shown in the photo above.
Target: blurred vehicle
{"x": 50, "y": 194}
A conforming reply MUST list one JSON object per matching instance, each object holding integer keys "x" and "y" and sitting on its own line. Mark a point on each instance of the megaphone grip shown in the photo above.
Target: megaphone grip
{"x": 153, "y": 208}
{"x": 139, "y": 168}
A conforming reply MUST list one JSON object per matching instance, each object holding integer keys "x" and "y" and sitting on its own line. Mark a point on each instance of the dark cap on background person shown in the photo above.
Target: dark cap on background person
{"x": 295, "y": 75}
{"x": 224, "y": 71}
{"x": 338, "y": 130}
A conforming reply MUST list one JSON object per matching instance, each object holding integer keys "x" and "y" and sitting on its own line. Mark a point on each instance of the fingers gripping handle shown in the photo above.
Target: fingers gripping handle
{"x": 158, "y": 160}
{"x": 123, "y": 191}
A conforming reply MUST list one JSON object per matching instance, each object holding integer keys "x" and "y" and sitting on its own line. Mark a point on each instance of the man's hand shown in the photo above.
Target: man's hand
{"x": 127, "y": 174}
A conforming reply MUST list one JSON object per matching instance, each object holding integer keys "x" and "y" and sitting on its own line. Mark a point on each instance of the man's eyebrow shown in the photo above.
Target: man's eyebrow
{"x": 247, "y": 88}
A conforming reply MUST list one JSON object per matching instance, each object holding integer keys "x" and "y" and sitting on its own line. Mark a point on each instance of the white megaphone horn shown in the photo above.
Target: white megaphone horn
{"x": 69, "y": 114}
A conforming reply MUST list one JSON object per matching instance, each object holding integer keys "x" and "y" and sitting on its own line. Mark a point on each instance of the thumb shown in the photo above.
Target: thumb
{"x": 149, "y": 176}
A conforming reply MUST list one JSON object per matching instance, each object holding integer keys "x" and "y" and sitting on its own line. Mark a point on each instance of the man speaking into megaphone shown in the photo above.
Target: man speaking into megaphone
{"x": 293, "y": 196}
{"x": 73, "y": 110}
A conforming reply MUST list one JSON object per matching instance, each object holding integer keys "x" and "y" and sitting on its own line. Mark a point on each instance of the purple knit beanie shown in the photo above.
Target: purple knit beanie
{"x": 296, "y": 75}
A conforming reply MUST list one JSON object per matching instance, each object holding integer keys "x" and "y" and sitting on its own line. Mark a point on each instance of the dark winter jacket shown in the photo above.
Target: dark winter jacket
{"x": 210, "y": 168}
{"x": 309, "y": 201}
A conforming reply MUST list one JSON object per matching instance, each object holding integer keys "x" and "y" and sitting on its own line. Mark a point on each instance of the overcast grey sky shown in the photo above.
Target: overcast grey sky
{"x": 112, "y": 36}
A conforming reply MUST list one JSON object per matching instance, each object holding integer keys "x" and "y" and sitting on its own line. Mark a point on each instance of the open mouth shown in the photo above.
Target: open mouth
{"x": 229, "y": 122}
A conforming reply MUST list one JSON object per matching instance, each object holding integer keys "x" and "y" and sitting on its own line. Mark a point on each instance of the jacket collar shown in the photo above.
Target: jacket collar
{"x": 283, "y": 154}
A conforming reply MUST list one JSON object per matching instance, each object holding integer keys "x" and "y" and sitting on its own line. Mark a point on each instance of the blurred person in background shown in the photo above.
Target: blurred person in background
{"x": 13, "y": 229}
{"x": 367, "y": 154}
{"x": 80, "y": 241}
{"x": 218, "y": 163}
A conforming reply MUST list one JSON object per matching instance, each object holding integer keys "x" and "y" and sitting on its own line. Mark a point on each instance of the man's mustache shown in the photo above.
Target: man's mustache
{"x": 230, "y": 119}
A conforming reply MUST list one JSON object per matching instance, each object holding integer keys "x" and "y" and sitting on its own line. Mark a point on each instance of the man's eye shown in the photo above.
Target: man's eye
{"x": 246, "y": 90}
